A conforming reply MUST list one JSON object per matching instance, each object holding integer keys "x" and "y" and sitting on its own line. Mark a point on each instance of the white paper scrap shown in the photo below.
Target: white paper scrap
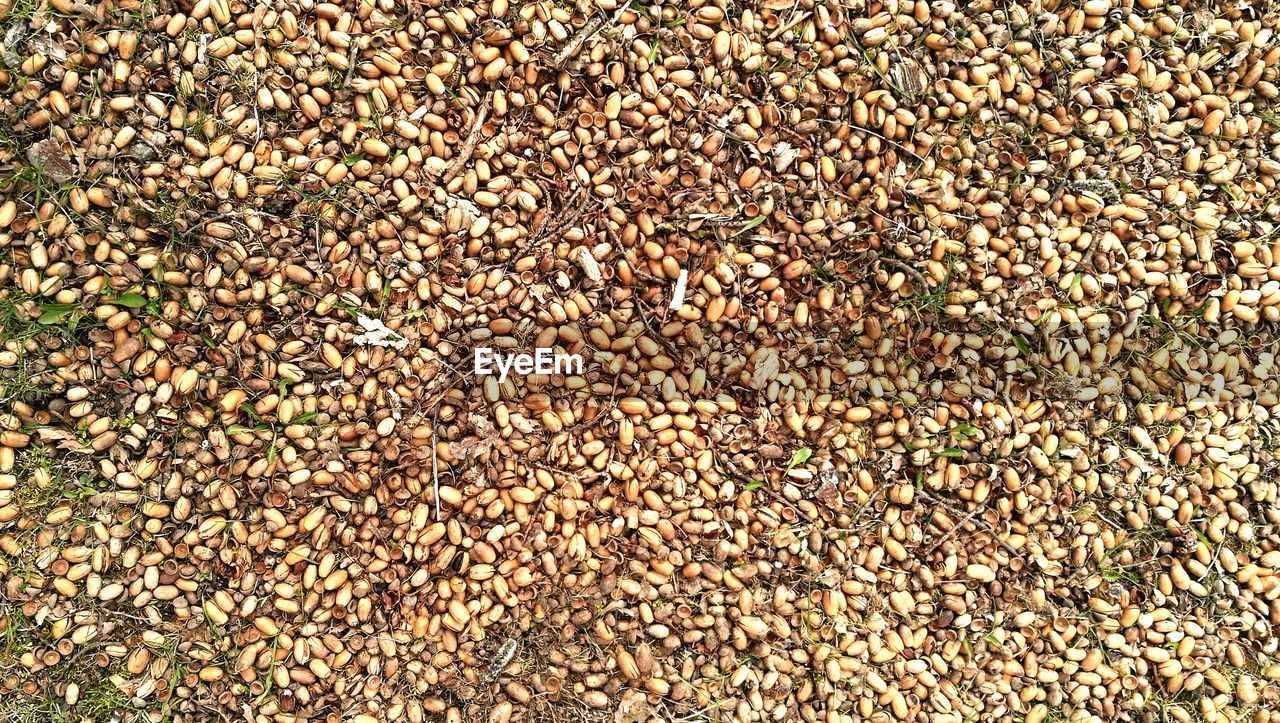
{"x": 677, "y": 297}
{"x": 377, "y": 334}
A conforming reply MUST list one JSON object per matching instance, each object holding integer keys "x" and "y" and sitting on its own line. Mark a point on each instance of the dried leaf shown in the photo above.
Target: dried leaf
{"x": 766, "y": 368}
{"x": 49, "y": 46}
{"x": 828, "y": 492}
{"x": 483, "y": 439}
{"x": 49, "y": 158}
{"x": 783, "y": 156}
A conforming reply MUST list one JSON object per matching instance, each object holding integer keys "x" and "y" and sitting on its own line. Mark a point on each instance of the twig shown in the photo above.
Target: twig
{"x": 951, "y": 533}
{"x": 977, "y": 520}
{"x": 435, "y": 468}
{"x": 858, "y": 515}
{"x": 796, "y": 20}
{"x": 911, "y": 273}
{"x": 573, "y": 211}
{"x": 592, "y": 25}
{"x": 468, "y": 148}
{"x": 351, "y": 64}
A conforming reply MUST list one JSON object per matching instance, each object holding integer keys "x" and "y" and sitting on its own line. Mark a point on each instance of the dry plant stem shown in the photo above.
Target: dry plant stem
{"x": 957, "y": 527}
{"x": 916, "y": 277}
{"x": 469, "y": 147}
{"x": 978, "y": 520}
{"x": 593, "y": 25}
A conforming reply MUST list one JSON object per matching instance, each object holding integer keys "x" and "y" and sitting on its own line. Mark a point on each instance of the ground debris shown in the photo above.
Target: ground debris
{"x": 928, "y": 361}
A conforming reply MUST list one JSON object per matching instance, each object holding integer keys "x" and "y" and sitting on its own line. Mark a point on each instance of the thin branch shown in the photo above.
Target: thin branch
{"x": 977, "y": 520}
{"x": 469, "y": 147}
{"x": 435, "y": 470}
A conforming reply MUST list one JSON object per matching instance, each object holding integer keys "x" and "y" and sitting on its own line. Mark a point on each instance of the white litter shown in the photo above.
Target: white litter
{"x": 588, "y": 263}
{"x": 377, "y": 334}
{"x": 767, "y": 367}
{"x": 783, "y": 156}
{"x": 677, "y": 297}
